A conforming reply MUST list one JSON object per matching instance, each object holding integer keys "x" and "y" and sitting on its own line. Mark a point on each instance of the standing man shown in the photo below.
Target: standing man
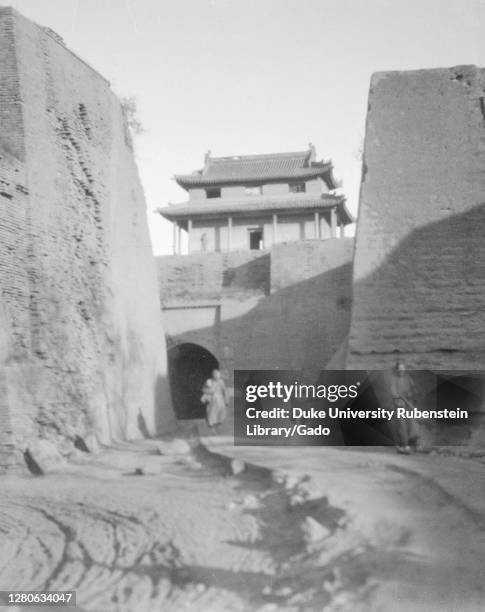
{"x": 403, "y": 395}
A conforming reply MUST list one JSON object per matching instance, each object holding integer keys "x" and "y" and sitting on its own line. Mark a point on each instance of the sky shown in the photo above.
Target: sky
{"x": 240, "y": 77}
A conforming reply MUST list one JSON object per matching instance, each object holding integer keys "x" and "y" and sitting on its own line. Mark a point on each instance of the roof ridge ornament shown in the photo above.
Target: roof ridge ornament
{"x": 312, "y": 153}
{"x": 207, "y": 161}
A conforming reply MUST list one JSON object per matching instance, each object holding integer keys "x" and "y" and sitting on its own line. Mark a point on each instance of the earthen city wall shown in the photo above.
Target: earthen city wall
{"x": 82, "y": 347}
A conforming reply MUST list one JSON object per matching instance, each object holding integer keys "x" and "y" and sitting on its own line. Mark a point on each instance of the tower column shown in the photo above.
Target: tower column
{"x": 175, "y": 233}
{"x": 333, "y": 222}
{"x": 317, "y": 225}
{"x": 189, "y": 231}
{"x": 229, "y": 233}
{"x": 275, "y": 228}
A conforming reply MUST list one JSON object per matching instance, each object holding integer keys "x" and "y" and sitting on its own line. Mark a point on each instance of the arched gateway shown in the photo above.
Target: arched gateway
{"x": 189, "y": 366}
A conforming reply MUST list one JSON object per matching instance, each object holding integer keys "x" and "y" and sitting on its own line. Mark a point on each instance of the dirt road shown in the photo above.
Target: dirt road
{"x": 318, "y": 529}
{"x": 418, "y": 522}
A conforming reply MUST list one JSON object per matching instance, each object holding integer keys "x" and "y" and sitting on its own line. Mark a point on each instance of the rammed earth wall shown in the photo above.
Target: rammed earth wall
{"x": 418, "y": 273}
{"x": 419, "y": 281}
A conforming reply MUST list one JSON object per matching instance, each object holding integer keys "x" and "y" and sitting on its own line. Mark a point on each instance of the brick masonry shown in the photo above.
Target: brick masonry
{"x": 206, "y": 276}
{"x": 419, "y": 282}
{"x": 81, "y": 340}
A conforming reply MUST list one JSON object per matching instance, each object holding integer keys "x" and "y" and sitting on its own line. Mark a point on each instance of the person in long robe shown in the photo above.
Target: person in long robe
{"x": 214, "y": 396}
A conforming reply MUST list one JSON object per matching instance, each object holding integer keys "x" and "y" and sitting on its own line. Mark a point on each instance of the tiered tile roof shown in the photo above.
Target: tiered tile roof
{"x": 269, "y": 204}
{"x": 247, "y": 169}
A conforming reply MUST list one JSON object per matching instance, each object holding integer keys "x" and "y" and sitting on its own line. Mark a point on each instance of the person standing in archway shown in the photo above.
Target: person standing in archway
{"x": 214, "y": 396}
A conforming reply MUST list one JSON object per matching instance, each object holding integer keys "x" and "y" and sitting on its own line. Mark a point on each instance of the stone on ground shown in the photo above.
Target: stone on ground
{"x": 42, "y": 457}
{"x": 313, "y": 531}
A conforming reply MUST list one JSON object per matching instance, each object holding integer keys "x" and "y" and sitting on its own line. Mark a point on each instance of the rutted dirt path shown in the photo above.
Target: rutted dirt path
{"x": 421, "y": 520}
{"x": 186, "y": 535}
{"x": 189, "y": 534}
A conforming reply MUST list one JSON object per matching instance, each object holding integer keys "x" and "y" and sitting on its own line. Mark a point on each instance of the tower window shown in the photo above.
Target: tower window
{"x": 215, "y": 192}
{"x": 297, "y": 187}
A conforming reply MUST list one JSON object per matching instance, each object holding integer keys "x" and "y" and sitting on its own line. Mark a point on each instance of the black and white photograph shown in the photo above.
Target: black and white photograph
{"x": 242, "y": 305}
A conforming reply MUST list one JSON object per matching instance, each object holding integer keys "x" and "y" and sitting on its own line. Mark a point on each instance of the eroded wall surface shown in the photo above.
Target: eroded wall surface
{"x": 81, "y": 341}
{"x": 418, "y": 279}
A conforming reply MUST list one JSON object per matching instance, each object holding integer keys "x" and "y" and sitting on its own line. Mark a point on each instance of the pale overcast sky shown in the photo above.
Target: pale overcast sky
{"x": 255, "y": 76}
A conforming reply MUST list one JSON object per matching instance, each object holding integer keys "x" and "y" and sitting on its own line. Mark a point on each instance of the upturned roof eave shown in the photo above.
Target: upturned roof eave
{"x": 330, "y": 182}
{"x": 221, "y": 208}
{"x": 345, "y": 213}
{"x": 200, "y": 180}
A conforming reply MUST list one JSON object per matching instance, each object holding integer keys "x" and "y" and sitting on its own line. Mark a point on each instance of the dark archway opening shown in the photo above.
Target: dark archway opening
{"x": 189, "y": 366}
{"x": 462, "y": 391}
{"x": 465, "y": 391}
